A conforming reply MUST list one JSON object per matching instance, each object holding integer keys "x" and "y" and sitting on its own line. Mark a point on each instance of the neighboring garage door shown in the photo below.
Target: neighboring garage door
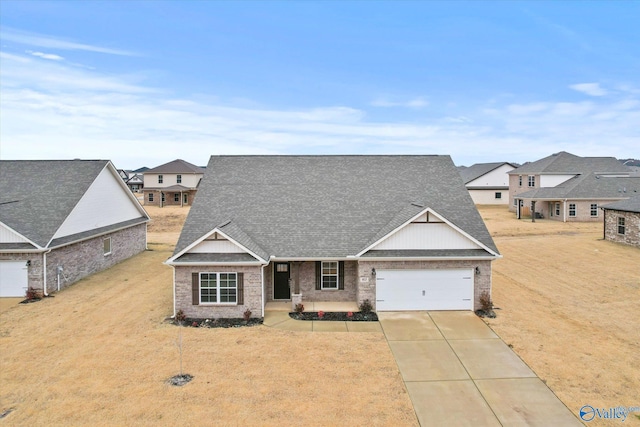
{"x": 13, "y": 278}
{"x": 398, "y": 290}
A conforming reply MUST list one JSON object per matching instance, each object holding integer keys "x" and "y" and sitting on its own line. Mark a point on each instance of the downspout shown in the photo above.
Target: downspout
{"x": 44, "y": 275}
{"x": 174, "y": 291}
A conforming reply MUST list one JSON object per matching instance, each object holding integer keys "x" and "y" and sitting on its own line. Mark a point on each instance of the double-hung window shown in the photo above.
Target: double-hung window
{"x": 621, "y": 225}
{"x": 519, "y": 180}
{"x": 176, "y": 197}
{"x": 557, "y": 209}
{"x": 160, "y": 179}
{"x": 572, "y": 209}
{"x": 151, "y": 197}
{"x": 594, "y": 209}
{"x": 218, "y": 288}
{"x": 532, "y": 180}
{"x": 179, "y": 179}
{"x": 329, "y": 275}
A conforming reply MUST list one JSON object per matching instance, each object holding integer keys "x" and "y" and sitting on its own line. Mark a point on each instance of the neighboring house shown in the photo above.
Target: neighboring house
{"x": 174, "y": 183}
{"x": 399, "y": 231}
{"x": 63, "y": 220}
{"x": 135, "y": 182}
{"x": 488, "y": 183}
{"x": 622, "y": 221}
{"x": 566, "y": 187}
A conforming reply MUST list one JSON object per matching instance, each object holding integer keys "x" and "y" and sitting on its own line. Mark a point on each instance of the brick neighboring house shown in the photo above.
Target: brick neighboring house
{"x": 622, "y": 221}
{"x": 488, "y": 183}
{"x": 566, "y": 187}
{"x": 63, "y": 220}
{"x": 172, "y": 184}
{"x": 400, "y": 231}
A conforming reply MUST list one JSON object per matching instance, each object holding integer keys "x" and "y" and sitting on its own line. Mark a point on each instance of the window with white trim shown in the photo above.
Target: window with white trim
{"x": 176, "y": 197}
{"x": 621, "y": 225}
{"x": 498, "y": 195}
{"x": 179, "y": 179}
{"x": 557, "y": 209}
{"x": 106, "y": 246}
{"x": 160, "y": 179}
{"x": 151, "y": 197}
{"x": 519, "y": 180}
{"x": 572, "y": 209}
{"x": 532, "y": 180}
{"x": 218, "y": 288}
{"x": 329, "y": 275}
{"x": 594, "y": 209}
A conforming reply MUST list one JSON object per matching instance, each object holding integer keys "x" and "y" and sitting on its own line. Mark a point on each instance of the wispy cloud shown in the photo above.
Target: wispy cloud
{"x": 418, "y": 102}
{"x": 40, "y": 40}
{"x": 52, "y": 110}
{"x": 591, "y": 89}
{"x": 42, "y": 55}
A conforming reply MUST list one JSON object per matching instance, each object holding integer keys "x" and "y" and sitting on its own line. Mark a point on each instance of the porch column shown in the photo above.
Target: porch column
{"x": 533, "y": 211}
{"x": 296, "y": 276}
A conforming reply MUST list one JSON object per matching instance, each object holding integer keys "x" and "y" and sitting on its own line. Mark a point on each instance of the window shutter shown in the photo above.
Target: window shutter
{"x": 341, "y": 275}
{"x": 240, "y": 288}
{"x": 195, "y": 288}
{"x": 318, "y": 275}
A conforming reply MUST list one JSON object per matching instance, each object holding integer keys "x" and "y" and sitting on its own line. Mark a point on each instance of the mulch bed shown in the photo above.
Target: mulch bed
{"x": 357, "y": 316}
{"x": 486, "y": 313}
{"x": 180, "y": 380}
{"x": 220, "y": 323}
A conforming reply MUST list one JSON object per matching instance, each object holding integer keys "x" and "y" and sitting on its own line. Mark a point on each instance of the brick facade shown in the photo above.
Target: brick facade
{"x": 515, "y": 189}
{"x": 359, "y": 284}
{"x": 252, "y": 293}
{"x": 81, "y": 259}
{"x": 169, "y": 198}
{"x": 631, "y": 235}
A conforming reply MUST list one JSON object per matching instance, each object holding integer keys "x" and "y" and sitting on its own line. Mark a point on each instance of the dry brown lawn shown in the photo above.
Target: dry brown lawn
{"x": 99, "y": 353}
{"x": 570, "y": 306}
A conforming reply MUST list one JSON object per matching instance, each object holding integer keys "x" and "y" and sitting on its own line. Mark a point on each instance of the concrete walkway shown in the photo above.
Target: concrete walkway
{"x": 281, "y": 320}
{"x": 459, "y": 372}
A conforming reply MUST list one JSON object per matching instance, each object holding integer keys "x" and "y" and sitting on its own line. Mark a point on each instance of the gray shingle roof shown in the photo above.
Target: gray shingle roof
{"x": 475, "y": 171}
{"x": 176, "y": 166}
{"x": 567, "y": 163}
{"x": 589, "y": 186}
{"x": 629, "y": 205}
{"x": 324, "y": 206}
{"x": 36, "y": 196}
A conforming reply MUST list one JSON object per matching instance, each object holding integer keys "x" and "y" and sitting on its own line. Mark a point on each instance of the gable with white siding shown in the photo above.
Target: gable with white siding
{"x": 104, "y": 203}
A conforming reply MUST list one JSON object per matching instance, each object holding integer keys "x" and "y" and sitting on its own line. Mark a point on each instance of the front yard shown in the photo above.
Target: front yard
{"x": 99, "y": 352}
{"x": 570, "y": 306}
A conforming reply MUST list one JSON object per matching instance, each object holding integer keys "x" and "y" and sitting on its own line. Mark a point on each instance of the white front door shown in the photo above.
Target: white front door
{"x": 14, "y": 278}
{"x": 401, "y": 290}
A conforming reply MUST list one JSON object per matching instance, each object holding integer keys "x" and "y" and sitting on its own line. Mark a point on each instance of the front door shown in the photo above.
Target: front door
{"x": 281, "y": 281}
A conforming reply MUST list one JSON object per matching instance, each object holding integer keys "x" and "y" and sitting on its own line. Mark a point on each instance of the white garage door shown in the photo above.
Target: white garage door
{"x": 398, "y": 290}
{"x": 13, "y": 278}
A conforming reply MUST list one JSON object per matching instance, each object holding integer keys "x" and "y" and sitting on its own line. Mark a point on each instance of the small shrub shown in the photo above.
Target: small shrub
{"x": 180, "y": 316}
{"x": 366, "y": 306}
{"x": 299, "y": 308}
{"x": 350, "y": 314}
{"x": 320, "y": 314}
{"x": 485, "y": 301}
{"x": 246, "y": 315}
{"x": 32, "y": 294}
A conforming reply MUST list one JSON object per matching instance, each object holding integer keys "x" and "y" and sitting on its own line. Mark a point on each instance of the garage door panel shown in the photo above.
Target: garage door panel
{"x": 13, "y": 278}
{"x": 398, "y": 290}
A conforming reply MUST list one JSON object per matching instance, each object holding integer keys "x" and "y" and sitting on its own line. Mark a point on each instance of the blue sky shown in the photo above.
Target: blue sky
{"x": 143, "y": 83}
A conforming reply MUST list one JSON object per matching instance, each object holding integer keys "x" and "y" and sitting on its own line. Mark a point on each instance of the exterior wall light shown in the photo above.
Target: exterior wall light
{"x": 373, "y": 271}
{"x": 477, "y": 270}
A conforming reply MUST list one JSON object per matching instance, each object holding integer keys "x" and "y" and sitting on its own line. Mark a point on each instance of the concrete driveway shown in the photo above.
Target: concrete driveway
{"x": 459, "y": 372}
